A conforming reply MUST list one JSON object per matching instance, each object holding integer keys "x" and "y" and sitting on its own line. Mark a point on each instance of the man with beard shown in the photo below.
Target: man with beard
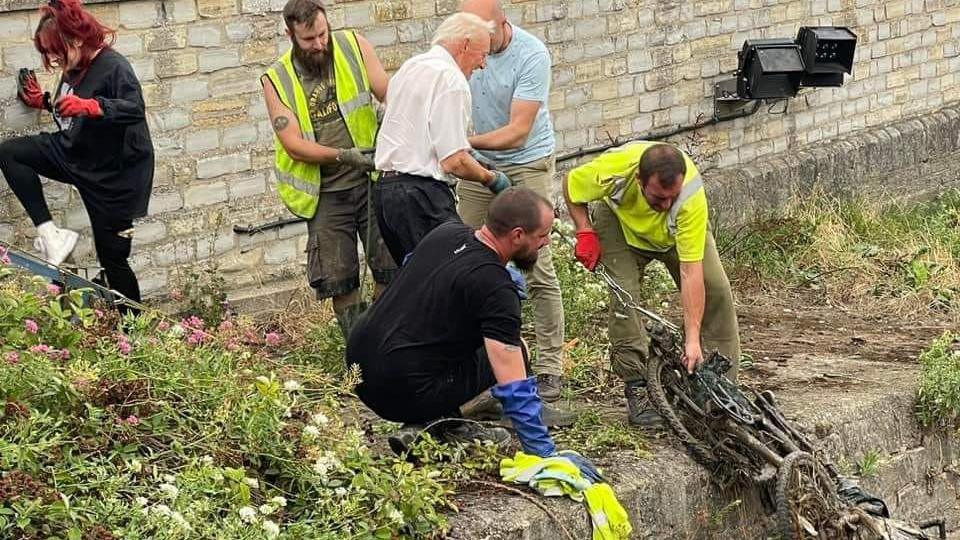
{"x": 319, "y": 96}
{"x": 448, "y": 330}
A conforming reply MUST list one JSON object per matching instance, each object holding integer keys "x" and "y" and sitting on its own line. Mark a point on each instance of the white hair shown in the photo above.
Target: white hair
{"x": 461, "y": 26}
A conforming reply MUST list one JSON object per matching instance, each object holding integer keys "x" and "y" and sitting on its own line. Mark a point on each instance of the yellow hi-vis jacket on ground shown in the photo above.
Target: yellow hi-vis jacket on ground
{"x": 557, "y": 476}
{"x": 298, "y": 183}
{"x": 612, "y": 177}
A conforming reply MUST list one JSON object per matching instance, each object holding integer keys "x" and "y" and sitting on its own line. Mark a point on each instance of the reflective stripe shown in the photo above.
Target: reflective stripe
{"x": 689, "y": 190}
{"x": 286, "y": 82}
{"x": 599, "y": 519}
{"x": 343, "y": 42}
{"x": 297, "y": 184}
{"x": 361, "y": 100}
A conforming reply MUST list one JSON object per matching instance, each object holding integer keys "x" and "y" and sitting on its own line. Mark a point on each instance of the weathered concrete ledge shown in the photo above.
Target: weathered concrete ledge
{"x": 912, "y": 158}
{"x": 670, "y": 497}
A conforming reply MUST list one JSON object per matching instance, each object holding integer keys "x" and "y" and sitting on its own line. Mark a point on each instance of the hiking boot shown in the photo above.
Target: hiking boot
{"x": 640, "y": 411}
{"x": 549, "y": 386}
{"x": 53, "y": 243}
{"x": 460, "y": 431}
{"x": 404, "y": 438}
{"x": 554, "y": 418}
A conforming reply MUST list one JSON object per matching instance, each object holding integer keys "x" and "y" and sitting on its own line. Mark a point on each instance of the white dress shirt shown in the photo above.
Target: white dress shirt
{"x": 427, "y": 117}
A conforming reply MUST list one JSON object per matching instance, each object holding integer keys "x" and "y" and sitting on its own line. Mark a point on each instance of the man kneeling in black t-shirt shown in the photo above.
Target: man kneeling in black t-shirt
{"x": 448, "y": 327}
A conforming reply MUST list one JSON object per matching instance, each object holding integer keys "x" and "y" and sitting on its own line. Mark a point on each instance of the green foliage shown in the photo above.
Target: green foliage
{"x": 902, "y": 254}
{"x": 869, "y": 464}
{"x": 188, "y": 431}
{"x": 205, "y": 294}
{"x": 592, "y": 435}
{"x": 938, "y": 400}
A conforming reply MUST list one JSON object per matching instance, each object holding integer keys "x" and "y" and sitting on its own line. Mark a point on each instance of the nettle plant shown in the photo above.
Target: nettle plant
{"x": 176, "y": 430}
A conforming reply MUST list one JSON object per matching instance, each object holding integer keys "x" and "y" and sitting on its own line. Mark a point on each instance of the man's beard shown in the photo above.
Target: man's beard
{"x": 312, "y": 61}
{"x": 527, "y": 261}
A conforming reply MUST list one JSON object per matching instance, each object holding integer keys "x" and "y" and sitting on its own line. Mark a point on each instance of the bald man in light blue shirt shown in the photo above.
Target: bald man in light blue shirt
{"x": 514, "y": 133}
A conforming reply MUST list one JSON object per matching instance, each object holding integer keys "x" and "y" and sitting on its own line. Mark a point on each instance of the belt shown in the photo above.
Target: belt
{"x": 388, "y": 174}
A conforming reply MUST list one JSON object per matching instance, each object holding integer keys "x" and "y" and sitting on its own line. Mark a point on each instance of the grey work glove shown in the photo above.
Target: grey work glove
{"x": 500, "y": 182}
{"x": 356, "y": 158}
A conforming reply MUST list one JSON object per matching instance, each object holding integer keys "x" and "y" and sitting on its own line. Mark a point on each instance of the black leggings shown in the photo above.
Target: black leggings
{"x": 22, "y": 160}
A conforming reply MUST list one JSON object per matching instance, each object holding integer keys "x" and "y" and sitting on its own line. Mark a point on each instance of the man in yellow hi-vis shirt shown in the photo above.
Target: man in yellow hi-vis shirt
{"x": 654, "y": 208}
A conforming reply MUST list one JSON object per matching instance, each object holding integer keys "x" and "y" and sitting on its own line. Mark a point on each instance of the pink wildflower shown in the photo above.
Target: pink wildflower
{"x": 249, "y": 336}
{"x": 133, "y": 420}
{"x": 192, "y": 323}
{"x": 272, "y": 339}
{"x": 31, "y": 326}
{"x": 12, "y": 358}
{"x": 99, "y": 313}
{"x": 163, "y": 326}
{"x": 176, "y": 295}
{"x": 53, "y": 289}
{"x": 40, "y": 349}
{"x": 226, "y": 326}
{"x": 64, "y": 354}
{"x": 4, "y": 256}
{"x": 196, "y": 337}
{"x": 232, "y": 345}
{"x": 124, "y": 345}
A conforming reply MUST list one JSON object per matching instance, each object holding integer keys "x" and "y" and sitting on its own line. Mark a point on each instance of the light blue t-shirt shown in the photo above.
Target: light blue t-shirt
{"x": 521, "y": 72}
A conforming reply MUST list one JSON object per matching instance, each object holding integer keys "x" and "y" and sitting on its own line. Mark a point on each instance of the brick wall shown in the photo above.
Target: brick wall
{"x": 621, "y": 69}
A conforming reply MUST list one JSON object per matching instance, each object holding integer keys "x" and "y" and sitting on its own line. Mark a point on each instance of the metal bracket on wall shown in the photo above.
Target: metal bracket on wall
{"x": 727, "y": 103}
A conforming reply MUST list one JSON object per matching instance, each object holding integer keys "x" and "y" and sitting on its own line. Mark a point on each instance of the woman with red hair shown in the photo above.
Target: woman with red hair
{"x": 102, "y": 145}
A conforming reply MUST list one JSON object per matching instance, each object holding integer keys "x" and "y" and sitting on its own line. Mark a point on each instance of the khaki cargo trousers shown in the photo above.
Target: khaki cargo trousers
{"x": 542, "y": 284}
{"x": 626, "y": 264}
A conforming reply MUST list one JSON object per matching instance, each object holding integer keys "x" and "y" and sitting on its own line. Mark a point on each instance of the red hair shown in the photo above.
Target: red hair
{"x": 63, "y": 22}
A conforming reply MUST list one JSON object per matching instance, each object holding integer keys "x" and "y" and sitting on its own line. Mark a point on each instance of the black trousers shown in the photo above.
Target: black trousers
{"x": 22, "y": 160}
{"x": 408, "y": 207}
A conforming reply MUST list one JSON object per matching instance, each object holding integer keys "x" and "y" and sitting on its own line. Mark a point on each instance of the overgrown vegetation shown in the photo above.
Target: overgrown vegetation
{"x": 887, "y": 256}
{"x": 938, "y": 400}
{"x": 183, "y": 430}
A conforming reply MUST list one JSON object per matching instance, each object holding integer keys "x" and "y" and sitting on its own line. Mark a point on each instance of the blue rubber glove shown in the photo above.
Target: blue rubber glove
{"x": 500, "y": 182}
{"x": 521, "y": 282}
{"x": 587, "y": 468}
{"x": 522, "y": 405}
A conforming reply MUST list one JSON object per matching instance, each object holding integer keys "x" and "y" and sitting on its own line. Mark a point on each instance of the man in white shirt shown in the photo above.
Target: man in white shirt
{"x": 422, "y": 144}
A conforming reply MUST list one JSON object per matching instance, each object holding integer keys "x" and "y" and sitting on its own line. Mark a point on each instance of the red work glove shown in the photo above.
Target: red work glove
{"x": 71, "y": 105}
{"x": 29, "y": 91}
{"x": 588, "y": 249}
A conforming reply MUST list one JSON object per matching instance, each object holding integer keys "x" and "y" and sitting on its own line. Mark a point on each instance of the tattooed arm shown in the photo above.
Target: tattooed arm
{"x": 287, "y": 129}
{"x": 506, "y": 361}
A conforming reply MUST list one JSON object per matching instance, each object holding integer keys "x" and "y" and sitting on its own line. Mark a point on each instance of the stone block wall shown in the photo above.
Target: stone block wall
{"x": 622, "y": 69}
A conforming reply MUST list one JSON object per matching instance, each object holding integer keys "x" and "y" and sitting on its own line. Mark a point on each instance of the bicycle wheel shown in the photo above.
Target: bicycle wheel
{"x": 807, "y": 504}
{"x": 668, "y": 394}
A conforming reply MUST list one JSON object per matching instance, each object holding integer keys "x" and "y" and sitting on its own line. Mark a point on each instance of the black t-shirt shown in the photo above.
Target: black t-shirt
{"x": 109, "y": 159}
{"x": 451, "y": 294}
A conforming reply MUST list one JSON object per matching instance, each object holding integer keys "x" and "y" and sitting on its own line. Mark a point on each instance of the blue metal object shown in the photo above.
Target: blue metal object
{"x": 67, "y": 280}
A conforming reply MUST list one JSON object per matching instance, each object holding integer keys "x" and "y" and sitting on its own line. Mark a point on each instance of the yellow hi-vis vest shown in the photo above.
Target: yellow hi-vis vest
{"x": 298, "y": 182}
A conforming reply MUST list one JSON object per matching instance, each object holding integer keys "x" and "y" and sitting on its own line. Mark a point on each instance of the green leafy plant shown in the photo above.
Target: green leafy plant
{"x": 938, "y": 399}
{"x": 869, "y": 464}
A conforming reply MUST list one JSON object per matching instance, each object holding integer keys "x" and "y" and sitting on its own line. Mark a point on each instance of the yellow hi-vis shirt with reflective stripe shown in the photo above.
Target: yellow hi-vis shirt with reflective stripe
{"x": 612, "y": 177}
{"x": 298, "y": 182}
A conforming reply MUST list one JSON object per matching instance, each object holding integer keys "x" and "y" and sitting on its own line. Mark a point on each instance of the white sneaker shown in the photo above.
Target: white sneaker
{"x": 56, "y": 244}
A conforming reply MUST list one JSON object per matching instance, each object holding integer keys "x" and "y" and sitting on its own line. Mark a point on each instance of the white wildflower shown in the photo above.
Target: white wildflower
{"x": 324, "y": 463}
{"x": 266, "y": 509}
{"x": 311, "y": 432}
{"x": 395, "y": 515}
{"x": 162, "y": 509}
{"x": 271, "y": 529}
{"x": 319, "y": 419}
{"x": 340, "y": 492}
{"x": 170, "y": 491}
{"x": 252, "y": 482}
{"x": 278, "y": 501}
{"x": 207, "y": 460}
{"x": 181, "y": 521}
{"x": 135, "y": 465}
{"x": 141, "y": 501}
{"x": 291, "y": 386}
{"x": 248, "y": 514}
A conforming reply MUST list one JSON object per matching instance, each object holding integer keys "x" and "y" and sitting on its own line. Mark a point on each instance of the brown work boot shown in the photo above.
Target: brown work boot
{"x": 640, "y": 411}
{"x": 549, "y": 386}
